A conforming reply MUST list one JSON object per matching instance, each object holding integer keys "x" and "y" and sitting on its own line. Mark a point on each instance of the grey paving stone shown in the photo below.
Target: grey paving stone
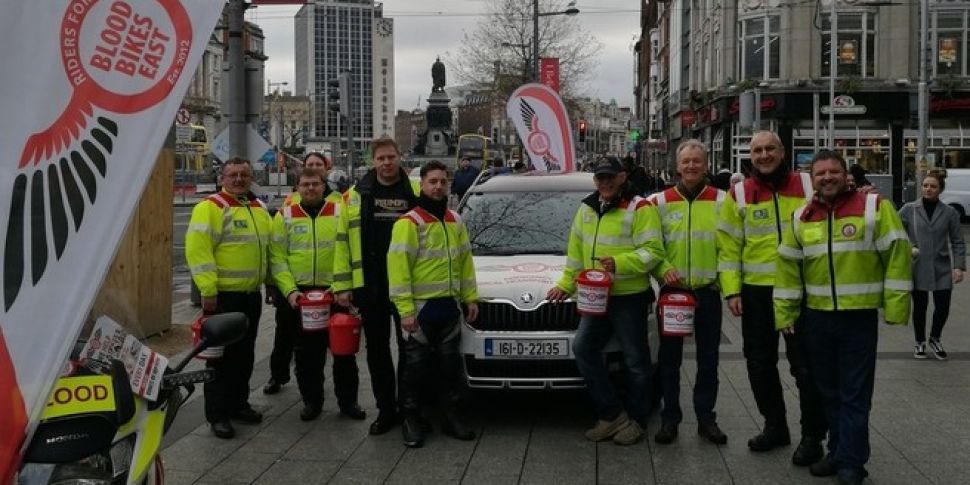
{"x": 620, "y": 465}
{"x": 181, "y": 477}
{"x": 442, "y": 459}
{"x": 372, "y": 460}
{"x": 272, "y": 440}
{"x": 499, "y": 454}
{"x": 299, "y": 472}
{"x": 943, "y": 473}
{"x": 559, "y": 455}
{"x": 199, "y": 453}
{"x": 241, "y": 466}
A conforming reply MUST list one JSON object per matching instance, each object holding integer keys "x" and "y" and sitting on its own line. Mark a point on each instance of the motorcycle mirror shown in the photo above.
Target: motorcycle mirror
{"x": 224, "y": 329}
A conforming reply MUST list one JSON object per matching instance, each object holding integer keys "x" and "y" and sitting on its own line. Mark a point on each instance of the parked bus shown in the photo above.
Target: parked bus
{"x": 191, "y": 150}
{"x": 475, "y": 148}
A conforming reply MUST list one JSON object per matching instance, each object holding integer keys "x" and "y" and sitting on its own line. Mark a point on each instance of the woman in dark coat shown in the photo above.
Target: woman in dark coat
{"x": 939, "y": 260}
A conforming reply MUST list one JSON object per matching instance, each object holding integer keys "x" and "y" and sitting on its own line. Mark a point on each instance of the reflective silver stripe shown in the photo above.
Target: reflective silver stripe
{"x": 786, "y": 293}
{"x": 695, "y": 235}
{"x": 644, "y": 256}
{"x": 789, "y": 252}
{"x": 703, "y": 273}
{"x": 870, "y": 217}
{"x": 278, "y": 238}
{"x": 731, "y": 230}
{"x": 750, "y": 230}
{"x": 221, "y": 198}
{"x": 839, "y": 247}
{"x": 239, "y": 274}
{"x": 402, "y": 248}
{"x": 645, "y": 236}
{"x": 468, "y": 284}
{"x": 226, "y": 220}
{"x": 844, "y": 290}
{"x": 796, "y": 221}
{"x": 433, "y": 253}
{"x": 200, "y": 227}
{"x": 239, "y": 238}
{"x": 353, "y": 223}
{"x": 280, "y": 268}
{"x": 661, "y": 200}
{"x": 356, "y": 265}
{"x": 758, "y": 267}
{"x": 573, "y": 264}
{"x": 807, "y": 188}
{"x": 342, "y": 277}
{"x": 302, "y": 276}
{"x": 343, "y": 237}
{"x": 464, "y": 248}
{"x": 202, "y": 268}
{"x": 306, "y": 246}
{"x": 307, "y": 277}
{"x": 719, "y": 201}
{"x": 422, "y": 288}
{"x": 899, "y": 285}
{"x": 628, "y": 215}
{"x": 611, "y": 240}
{"x": 884, "y": 242}
{"x": 728, "y": 266}
{"x": 630, "y": 277}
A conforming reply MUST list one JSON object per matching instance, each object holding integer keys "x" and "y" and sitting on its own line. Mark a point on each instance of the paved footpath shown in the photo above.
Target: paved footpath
{"x": 920, "y": 431}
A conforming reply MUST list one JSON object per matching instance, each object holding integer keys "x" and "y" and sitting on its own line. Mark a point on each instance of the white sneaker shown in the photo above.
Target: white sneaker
{"x": 605, "y": 430}
{"x": 938, "y": 351}
{"x": 919, "y": 352}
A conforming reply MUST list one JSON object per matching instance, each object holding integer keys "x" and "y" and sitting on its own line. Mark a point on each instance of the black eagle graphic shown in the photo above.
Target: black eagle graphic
{"x": 532, "y": 123}
{"x": 45, "y": 203}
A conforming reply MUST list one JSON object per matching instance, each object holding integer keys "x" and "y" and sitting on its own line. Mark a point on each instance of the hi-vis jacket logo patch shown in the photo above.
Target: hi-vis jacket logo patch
{"x": 759, "y": 214}
{"x": 238, "y": 224}
{"x": 131, "y": 65}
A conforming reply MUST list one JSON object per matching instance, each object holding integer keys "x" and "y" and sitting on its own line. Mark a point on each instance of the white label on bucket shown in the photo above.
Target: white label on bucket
{"x": 596, "y": 276}
{"x": 678, "y": 320}
{"x": 315, "y": 317}
{"x": 592, "y": 299}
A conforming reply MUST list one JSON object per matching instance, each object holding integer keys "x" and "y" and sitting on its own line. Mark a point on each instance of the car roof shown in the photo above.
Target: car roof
{"x": 541, "y": 182}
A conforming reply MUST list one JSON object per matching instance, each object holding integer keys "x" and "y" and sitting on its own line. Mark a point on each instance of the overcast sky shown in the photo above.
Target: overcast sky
{"x": 421, "y": 34}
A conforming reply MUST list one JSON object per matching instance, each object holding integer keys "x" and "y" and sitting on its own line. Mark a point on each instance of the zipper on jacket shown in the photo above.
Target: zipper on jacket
{"x": 835, "y": 300}
{"x": 448, "y": 250}
{"x": 313, "y": 232}
{"x": 690, "y": 269}
{"x": 774, "y": 196}
{"x": 596, "y": 233}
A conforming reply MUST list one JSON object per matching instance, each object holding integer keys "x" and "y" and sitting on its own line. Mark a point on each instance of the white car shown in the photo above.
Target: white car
{"x": 519, "y": 229}
{"x": 957, "y": 193}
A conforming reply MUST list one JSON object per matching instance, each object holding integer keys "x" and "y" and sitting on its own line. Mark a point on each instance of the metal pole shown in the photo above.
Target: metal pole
{"x": 535, "y": 40}
{"x": 922, "y": 94}
{"x": 833, "y": 41}
{"x": 756, "y": 127}
{"x": 815, "y": 121}
{"x": 237, "y": 80}
{"x": 281, "y": 169}
{"x": 351, "y": 151}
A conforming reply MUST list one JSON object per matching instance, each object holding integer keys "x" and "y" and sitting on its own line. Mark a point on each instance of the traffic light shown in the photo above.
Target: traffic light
{"x": 582, "y": 131}
{"x": 339, "y": 93}
{"x": 634, "y": 134}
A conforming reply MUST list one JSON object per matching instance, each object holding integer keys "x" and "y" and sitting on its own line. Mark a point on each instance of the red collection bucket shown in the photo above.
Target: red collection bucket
{"x": 593, "y": 291}
{"x": 315, "y": 310}
{"x": 675, "y": 312}
{"x": 344, "y": 334}
{"x": 209, "y": 353}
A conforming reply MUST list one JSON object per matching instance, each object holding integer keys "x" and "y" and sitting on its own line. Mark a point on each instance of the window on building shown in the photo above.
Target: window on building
{"x": 856, "y": 44}
{"x": 949, "y": 40}
{"x": 759, "y": 50}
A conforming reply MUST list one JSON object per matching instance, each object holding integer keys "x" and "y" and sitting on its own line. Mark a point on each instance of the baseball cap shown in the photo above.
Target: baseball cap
{"x": 608, "y": 166}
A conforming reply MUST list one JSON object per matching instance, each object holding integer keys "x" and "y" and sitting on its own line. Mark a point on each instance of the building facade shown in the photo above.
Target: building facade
{"x": 335, "y": 36}
{"x": 711, "y": 52}
{"x": 286, "y": 120}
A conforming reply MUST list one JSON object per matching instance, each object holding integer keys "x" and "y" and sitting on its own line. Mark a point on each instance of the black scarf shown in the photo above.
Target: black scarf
{"x": 775, "y": 179}
{"x": 436, "y": 208}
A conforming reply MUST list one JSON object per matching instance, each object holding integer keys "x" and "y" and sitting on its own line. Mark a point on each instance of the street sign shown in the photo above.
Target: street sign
{"x": 183, "y": 133}
{"x": 183, "y": 116}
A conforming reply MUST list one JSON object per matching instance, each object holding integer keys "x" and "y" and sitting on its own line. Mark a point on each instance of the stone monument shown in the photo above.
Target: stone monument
{"x": 438, "y": 140}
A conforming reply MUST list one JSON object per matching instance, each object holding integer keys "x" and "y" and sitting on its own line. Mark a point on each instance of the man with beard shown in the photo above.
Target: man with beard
{"x": 844, "y": 256}
{"x": 753, "y": 217}
{"x": 430, "y": 270}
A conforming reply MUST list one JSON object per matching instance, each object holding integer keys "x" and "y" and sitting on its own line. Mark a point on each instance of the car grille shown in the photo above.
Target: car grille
{"x": 499, "y": 316}
{"x": 522, "y": 369}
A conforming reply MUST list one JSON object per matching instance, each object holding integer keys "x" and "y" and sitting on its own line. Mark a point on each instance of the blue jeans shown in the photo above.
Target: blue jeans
{"x": 707, "y": 337}
{"x": 627, "y": 319}
{"x": 842, "y": 345}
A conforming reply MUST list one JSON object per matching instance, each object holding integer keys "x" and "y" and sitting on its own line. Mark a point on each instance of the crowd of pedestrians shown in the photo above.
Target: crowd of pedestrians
{"x": 810, "y": 258}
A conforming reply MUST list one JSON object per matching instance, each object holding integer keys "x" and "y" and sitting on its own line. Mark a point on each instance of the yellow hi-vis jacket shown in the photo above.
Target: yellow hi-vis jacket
{"x": 852, "y": 256}
{"x": 629, "y": 232}
{"x": 348, "y": 270}
{"x": 689, "y": 234}
{"x": 301, "y": 248}
{"x": 429, "y": 258}
{"x": 753, "y": 218}
{"x": 227, "y": 243}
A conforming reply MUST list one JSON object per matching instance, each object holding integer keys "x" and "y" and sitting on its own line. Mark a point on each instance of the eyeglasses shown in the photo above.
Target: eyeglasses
{"x": 310, "y": 185}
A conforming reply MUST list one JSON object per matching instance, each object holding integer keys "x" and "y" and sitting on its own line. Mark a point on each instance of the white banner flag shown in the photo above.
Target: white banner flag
{"x": 90, "y": 89}
{"x": 543, "y": 124}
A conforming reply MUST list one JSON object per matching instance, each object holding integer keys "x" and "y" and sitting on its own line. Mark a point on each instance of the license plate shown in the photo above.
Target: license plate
{"x": 526, "y": 348}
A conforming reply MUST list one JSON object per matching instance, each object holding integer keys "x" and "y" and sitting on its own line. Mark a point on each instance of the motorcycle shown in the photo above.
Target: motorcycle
{"x": 96, "y": 431}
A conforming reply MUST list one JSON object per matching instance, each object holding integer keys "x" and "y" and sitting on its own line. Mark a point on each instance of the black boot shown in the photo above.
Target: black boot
{"x": 809, "y": 451}
{"x": 453, "y": 426}
{"x": 772, "y": 437}
{"x": 413, "y": 435}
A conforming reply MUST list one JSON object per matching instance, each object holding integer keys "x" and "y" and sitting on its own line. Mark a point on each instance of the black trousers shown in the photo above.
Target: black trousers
{"x": 761, "y": 354}
{"x": 432, "y": 363}
{"x": 228, "y": 393}
{"x": 941, "y": 311}
{"x": 377, "y": 311}
{"x": 283, "y": 339}
{"x": 311, "y": 356}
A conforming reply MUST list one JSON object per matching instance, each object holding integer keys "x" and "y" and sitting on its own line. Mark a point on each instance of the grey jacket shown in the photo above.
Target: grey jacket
{"x": 940, "y": 243}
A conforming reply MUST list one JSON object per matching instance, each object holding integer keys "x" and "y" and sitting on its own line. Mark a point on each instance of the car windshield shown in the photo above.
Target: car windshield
{"x": 506, "y": 223}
